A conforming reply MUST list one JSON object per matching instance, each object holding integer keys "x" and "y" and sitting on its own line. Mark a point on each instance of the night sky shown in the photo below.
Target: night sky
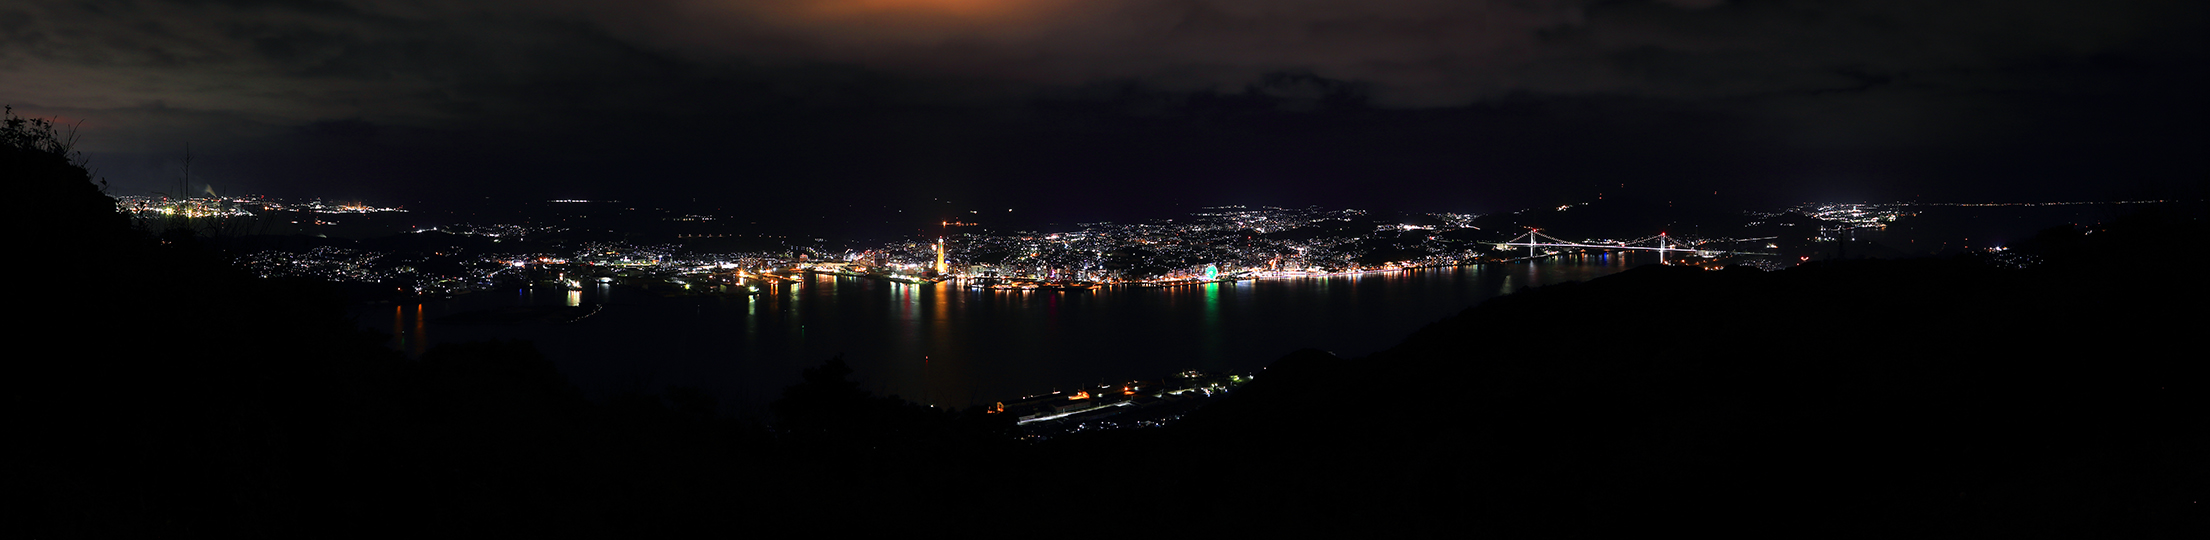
{"x": 1099, "y": 109}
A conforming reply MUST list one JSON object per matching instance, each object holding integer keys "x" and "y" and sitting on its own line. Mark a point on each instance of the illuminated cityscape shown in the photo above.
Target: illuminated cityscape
{"x": 1226, "y": 243}
{"x": 1133, "y": 268}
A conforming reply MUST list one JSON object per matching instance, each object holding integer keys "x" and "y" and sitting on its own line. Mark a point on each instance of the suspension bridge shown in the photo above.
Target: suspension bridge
{"x": 1661, "y": 243}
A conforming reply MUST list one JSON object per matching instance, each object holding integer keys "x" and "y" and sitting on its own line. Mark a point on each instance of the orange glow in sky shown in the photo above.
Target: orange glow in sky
{"x": 960, "y": 8}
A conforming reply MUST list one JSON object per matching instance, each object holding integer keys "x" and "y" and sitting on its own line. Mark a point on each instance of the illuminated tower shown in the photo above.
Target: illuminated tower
{"x": 940, "y": 270}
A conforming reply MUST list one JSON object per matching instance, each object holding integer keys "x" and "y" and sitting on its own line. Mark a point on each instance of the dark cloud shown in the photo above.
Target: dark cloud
{"x": 993, "y": 94}
{"x": 1411, "y": 52}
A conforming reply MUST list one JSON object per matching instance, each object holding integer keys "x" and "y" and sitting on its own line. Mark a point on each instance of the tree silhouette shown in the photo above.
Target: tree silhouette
{"x": 826, "y": 407}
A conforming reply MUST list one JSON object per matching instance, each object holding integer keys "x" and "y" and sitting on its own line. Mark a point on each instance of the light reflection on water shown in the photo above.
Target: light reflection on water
{"x": 955, "y": 346}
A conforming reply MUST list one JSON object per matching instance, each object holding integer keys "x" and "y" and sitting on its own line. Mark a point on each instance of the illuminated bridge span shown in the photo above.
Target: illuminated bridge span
{"x": 1660, "y": 243}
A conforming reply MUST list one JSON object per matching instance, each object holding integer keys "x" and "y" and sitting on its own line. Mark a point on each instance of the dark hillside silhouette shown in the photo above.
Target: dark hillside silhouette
{"x": 159, "y": 392}
{"x": 1942, "y": 397}
{"x": 44, "y": 170}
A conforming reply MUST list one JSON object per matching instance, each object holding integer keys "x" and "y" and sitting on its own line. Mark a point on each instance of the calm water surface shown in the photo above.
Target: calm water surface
{"x": 953, "y": 346}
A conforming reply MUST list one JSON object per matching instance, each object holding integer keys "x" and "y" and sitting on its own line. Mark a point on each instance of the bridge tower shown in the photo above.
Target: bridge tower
{"x": 940, "y": 269}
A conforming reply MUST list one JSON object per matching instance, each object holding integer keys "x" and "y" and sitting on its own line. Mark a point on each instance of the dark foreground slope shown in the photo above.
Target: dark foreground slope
{"x": 1919, "y": 397}
{"x": 157, "y": 392}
